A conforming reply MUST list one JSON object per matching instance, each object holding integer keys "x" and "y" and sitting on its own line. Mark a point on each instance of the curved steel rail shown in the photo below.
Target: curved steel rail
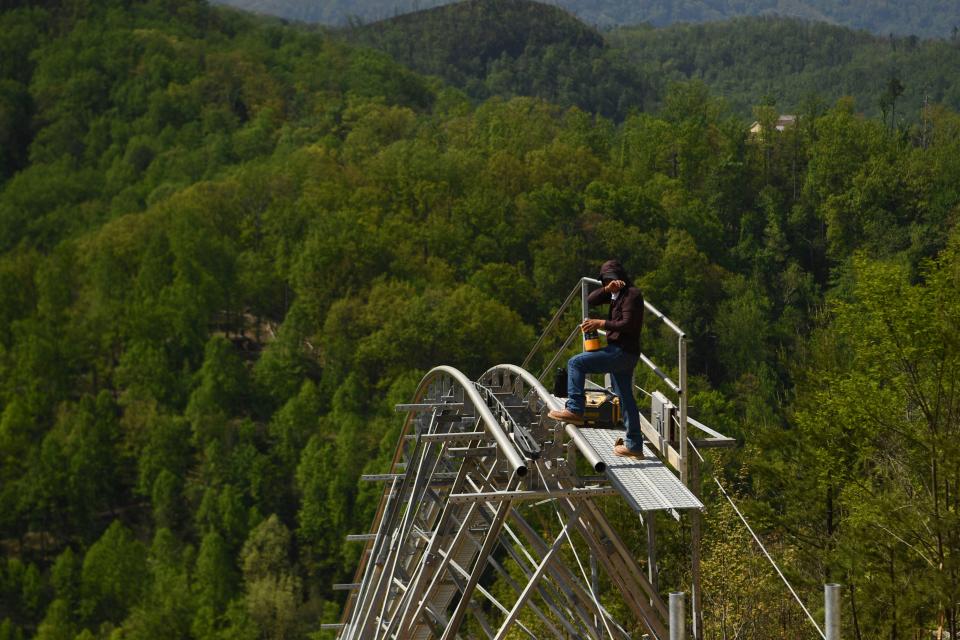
{"x": 551, "y": 402}
{"x": 490, "y": 422}
{"x": 484, "y": 415}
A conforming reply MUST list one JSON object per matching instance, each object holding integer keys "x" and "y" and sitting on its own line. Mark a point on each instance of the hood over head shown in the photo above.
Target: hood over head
{"x": 613, "y": 269}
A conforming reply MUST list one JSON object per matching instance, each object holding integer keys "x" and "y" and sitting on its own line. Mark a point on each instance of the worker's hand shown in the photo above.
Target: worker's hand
{"x": 614, "y": 286}
{"x": 592, "y": 324}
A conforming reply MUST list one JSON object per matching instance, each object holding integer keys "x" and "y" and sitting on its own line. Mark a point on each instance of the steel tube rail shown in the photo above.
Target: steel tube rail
{"x": 576, "y": 493}
{"x": 585, "y": 448}
{"x": 582, "y": 288}
{"x": 667, "y": 321}
{"x": 666, "y": 379}
{"x": 557, "y": 355}
{"x": 550, "y": 325}
{"x": 490, "y": 423}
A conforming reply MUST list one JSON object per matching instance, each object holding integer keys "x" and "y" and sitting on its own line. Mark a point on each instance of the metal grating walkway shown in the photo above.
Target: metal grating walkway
{"x": 647, "y": 485}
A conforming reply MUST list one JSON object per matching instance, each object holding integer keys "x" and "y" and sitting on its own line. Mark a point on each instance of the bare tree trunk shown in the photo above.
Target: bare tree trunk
{"x": 893, "y": 597}
{"x": 853, "y": 608}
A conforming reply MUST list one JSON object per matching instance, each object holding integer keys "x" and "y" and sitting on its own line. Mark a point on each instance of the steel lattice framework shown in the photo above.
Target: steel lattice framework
{"x": 457, "y": 548}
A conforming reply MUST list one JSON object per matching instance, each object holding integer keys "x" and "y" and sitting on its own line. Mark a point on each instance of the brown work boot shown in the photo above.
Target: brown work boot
{"x": 620, "y": 449}
{"x": 565, "y": 415}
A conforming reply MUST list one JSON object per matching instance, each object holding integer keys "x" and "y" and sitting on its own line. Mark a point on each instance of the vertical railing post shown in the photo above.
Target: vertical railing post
{"x": 683, "y": 409}
{"x": 677, "y": 622}
{"x": 583, "y": 298}
{"x": 831, "y": 611}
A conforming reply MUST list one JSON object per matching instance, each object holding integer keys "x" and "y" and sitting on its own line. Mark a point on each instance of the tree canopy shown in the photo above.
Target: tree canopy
{"x": 229, "y": 246}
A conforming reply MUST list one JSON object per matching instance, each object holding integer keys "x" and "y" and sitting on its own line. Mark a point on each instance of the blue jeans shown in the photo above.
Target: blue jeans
{"x": 620, "y": 365}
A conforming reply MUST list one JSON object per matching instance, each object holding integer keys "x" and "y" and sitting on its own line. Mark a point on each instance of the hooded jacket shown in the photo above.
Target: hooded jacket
{"x": 625, "y": 317}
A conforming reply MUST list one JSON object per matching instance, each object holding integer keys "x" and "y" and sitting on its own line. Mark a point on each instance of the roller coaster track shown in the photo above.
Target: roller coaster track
{"x": 491, "y": 524}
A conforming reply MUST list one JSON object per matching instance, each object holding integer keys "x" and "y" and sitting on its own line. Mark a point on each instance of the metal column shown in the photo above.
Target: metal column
{"x": 683, "y": 409}
{"x": 831, "y": 611}
{"x": 677, "y": 631}
{"x": 653, "y": 573}
{"x": 696, "y": 534}
{"x": 583, "y": 299}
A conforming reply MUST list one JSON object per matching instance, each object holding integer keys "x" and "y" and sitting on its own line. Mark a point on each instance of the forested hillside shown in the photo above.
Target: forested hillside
{"x": 927, "y": 18}
{"x": 517, "y": 47}
{"x": 229, "y": 246}
{"x": 792, "y": 62}
{"x": 514, "y": 47}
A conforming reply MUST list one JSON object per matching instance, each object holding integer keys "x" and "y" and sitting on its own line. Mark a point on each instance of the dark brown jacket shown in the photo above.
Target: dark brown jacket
{"x": 625, "y": 317}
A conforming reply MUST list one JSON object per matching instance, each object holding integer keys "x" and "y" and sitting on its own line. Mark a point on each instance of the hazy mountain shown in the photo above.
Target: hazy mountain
{"x": 510, "y": 48}
{"x": 927, "y": 18}
{"x": 520, "y": 47}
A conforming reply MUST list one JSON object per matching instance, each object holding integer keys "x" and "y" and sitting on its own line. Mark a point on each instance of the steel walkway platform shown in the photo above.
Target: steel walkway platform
{"x": 646, "y": 485}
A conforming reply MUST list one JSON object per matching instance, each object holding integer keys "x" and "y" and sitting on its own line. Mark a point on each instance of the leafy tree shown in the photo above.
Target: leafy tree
{"x": 167, "y": 608}
{"x": 272, "y": 589}
{"x": 112, "y": 577}
{"x": 215, "y": 582}
{"x": 65, "y": 577}
{"x": 58, "y": 622}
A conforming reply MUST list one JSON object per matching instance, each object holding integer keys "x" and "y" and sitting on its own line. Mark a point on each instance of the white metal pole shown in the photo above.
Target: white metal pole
{"x": 583, "y": 298}
{"x": 831, "y": 613}
{"x": 683, "y": 409}
{"x": 677, "y": 631}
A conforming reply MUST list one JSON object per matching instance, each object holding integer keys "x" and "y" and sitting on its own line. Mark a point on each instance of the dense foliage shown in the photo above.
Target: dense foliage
{"x": 494, "y": 47}
{"x": 230, "y": 246}
{"x": 790, "y": 62}
{"x": 514, "y": 47}
{"x": 929, "y": 18}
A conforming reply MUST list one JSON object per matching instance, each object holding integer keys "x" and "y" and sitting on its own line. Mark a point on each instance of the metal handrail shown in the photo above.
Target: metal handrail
{"x": 556, "y": 356}
{"x": 553, "y": 323}
{"x": 679, "y": 387}
{"x": 667, "y": 321}
{"x": 666, "y": 379}
{"x": 583, "y": 295}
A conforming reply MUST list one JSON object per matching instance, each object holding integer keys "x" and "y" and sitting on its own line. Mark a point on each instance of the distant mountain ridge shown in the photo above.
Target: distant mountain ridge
{"x": 484, "y": 29}
{"x": 521, "y": 47}
{"x": 925, "y": 18}
{"x": 510, "y": 48}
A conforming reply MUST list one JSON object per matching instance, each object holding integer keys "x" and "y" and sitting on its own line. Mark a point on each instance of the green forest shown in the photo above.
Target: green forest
{"x": 520, "y": 48}
{"x": 228, "y": 246}
{"x": 924, "y": 18}
{"x": 791, "y": 62}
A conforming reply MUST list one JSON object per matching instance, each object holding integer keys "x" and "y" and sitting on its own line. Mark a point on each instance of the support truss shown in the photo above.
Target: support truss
{"x": 485, "y": 528}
